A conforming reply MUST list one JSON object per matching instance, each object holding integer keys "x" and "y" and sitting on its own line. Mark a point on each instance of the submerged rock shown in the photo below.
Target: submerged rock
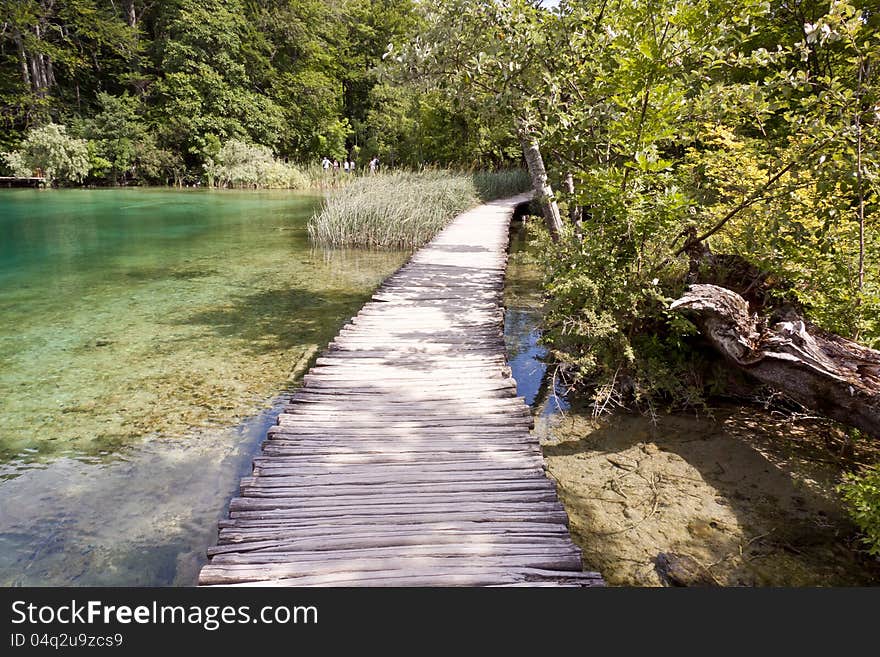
{"x": 682, "y": 570}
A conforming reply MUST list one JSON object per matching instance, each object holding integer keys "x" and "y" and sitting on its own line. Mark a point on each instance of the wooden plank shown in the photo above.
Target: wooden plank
{"x": 353, "y": 499}
{"x": 535, "y": 486}
{"x": 343, "y": 383}
{"x": 503, "y": 434}
{"x": 328, "y": 530}
{"x": 222, "y": 574}
{"x": 355, "y": 507}
{"x": 422, "y": 368}
{"x": 391, "y": 461}
{"x": 330, "y": 421}
{"x": 389, "y": 449}
{"x": 549, "y": 557}
{"x": 449, "y": 459}
{"x": 456, "y": 575}
{"x": 429, "y": 360}
{"x": 483, "y": 438}
{"x": 506, "y": 416}
{"x": 409, "y": 396}
{"x": 280, "y": 546}
{"x": 269, "y": 468}
{"x": 490, "y": 378}
{"x": 375, "y": 520}
{"x": 419, "y": 477}
{"x": 400, "y": 347}
{"x": 292, "y": 566}
{"x": 474, "y": 405}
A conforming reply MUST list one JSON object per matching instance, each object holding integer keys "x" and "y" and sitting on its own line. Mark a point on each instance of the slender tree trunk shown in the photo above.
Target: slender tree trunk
{"x": 25, "y": 73}
{"x": 543, "y": 190}
{"x": 574, "y": 210}
{"x": 861, "y": 213}
{"x": 132, "y": 14}
{"x": 50, "y": 72}
{"x": 42, "y": 76}
{"x": 35, "y": 73}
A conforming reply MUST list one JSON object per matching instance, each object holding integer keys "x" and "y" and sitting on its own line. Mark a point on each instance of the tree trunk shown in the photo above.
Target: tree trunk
{"x": 824, "y": 372}
{"x": 41, "y": 74}
{"x": 574, "y": 210}
{"x": 543, "y": 190}
{"x": 131, "y": 14}
{"x": 22, "y": 55}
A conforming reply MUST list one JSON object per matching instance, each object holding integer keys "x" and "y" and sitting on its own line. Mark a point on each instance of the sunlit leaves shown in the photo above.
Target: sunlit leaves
{"x": 50, "y": 152}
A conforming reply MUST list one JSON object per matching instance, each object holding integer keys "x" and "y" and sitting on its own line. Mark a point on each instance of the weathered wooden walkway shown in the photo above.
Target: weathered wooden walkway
{"x": 15, "y": 181}
{"x": 406, "y": 459}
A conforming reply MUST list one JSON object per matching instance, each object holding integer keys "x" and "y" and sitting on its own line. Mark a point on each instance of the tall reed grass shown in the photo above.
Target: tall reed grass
{"x": 318, "y": 178}
{"x": 404, "y": 210}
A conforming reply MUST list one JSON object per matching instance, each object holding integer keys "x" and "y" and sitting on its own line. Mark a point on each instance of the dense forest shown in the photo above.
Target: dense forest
{"x": 150, "y": 91}
{"x": 726, "y": 142}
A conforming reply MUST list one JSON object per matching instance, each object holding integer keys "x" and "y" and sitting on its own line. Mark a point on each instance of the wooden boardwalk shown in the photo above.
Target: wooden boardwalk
{"x": 15, "y": 181}
{"x": 405, "y": 459}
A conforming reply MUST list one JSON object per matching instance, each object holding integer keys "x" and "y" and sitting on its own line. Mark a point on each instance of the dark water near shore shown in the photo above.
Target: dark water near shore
{"x": 522, "y": 332}
{"x": 145, "y": 338}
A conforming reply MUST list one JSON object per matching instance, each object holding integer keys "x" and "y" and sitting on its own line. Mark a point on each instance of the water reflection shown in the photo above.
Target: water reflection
{"x": 522, "y": 333}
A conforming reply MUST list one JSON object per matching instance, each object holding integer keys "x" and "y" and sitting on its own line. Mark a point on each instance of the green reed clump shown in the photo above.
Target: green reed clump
{"x": 320, "y": 178}
{"x": 500, "y": 184}
{"x": 403, "y": 210}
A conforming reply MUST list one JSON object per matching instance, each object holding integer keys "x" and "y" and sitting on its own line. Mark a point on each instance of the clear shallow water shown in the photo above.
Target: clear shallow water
{"x": 144, "y": 335}
{"x": 522, "y": 321}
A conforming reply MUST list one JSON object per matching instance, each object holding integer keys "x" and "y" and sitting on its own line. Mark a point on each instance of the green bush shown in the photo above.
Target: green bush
{"x": 608, "y": 283}
{"x": 862, "y": 495}
{"x": 50, "y": 150}
{"x": 121, "y": 148}
{"x": 239, "y": 164}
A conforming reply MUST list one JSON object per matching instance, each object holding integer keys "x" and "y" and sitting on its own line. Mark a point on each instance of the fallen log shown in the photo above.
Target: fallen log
{"x": 822, "y": 371}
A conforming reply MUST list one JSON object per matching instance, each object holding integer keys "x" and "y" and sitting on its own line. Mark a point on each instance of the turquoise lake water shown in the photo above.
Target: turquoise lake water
{"x": 145, "y": 339}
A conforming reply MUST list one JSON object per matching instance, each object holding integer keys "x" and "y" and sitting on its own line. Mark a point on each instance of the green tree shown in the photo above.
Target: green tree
{"x": 368, "y": 29}
{"x": 205, "y": 87}
{"x": 492, "y": 59}
{"x": 49, "y": 151}
{"x": 238, "y": 164}
{"x": 122, "y": 143}
{"x": 56, "y": 54}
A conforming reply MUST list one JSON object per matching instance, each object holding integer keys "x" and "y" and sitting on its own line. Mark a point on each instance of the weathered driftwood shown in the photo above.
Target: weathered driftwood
{"x": 824, "y": 372}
